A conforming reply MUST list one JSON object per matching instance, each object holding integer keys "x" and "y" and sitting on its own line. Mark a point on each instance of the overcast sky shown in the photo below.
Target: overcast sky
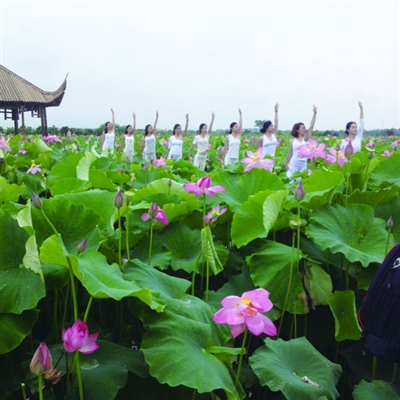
{"x": 198, "y": 57}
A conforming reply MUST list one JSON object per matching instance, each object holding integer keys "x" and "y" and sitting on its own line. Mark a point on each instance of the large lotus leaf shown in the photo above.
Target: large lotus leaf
{"x": 69, "y": 185}
{"x": 15, "y": 328}
{"x": 167, "y": 187}
{"x": 239, "y": 189}
{"x": 272, "y": 207}
{"x": 385, "y": 211}
{"x": 168, "y": 287}
{"x": 53, "y": 251}
{"x": 83, "y": 167}
{"x": 37, "y": 147}
{"x": 387, "y": 172}
{"x": 31, "y": 258}
{"x": 64, "y": 168}
{"x": 101, "y": 201}
{"x": 247, "y": 223}
{"x": 100, "y": 180}
{"x": 55, "y": 276}
{"x": 320, "y": 188}
{"x": 74, "y": 222}
{"x": 184, "y": 245}
{"x": 9, "y": 192}
{"x": 297, "y": 369}
{"x": 160, "y": 256}
{"x": 375, "y": 390}
{"x": 344, "y": 312}
{"x": 105, "y": 371}
{"x": 318, "y": 283}
{"x": 372, "y": 198}
{"x": 352, "y": 231}
{"x": 178, "y": 348}
{"x": 270, "y": 269}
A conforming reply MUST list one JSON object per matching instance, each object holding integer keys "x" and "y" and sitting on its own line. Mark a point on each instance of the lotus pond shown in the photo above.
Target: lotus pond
{"x": 113, "y": 274}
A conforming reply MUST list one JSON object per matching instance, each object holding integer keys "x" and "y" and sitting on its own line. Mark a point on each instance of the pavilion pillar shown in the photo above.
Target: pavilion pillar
{"x": 43, "y": 118}
{"x": 23, "y": 122}
{"x": 15, "y": 119}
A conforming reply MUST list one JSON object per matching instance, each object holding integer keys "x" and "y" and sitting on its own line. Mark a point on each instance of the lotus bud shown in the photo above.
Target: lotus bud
{"x": 41, "y": 360}
{"x": 121, "y": 170}
{"x": 295, "y": 223}
{"x": 299, "y": 193}
{"x": 119, "y": 199}
{"x": 36, "y": 201}
{"x": 169, "y": 182}
{"x": 82, "y": 246}
{"x": 349, "y": 150}
{"x": 389, "y": 222}
{"x": 371, "y": 155}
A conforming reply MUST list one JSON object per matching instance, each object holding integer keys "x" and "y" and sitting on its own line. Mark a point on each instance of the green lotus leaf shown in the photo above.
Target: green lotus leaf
{"x": 175, "y": 347}
{"x": 100, "y": 201}
{"x": 55, "y": 276}
{"x": 375, "y": 390}
{"x": 83, "y": 167}
{"x": 318, "y": 283}
{"x": 385, "y": 211}
{"x": 272, "y": 207}
{"x": 160, "y": 257}
{"x": 64, "y": 168}
{"x": 247, "y": 223}
{"x": 296, "y": 369}
{"x": 69, "y": 185}
{"x": 74, "y": 222}
{"x": 53, "y": 251}
{"x": 104, "y": 281}
{"x": 100, "y": 180}
{"x": 38, "y": 146}
{"x": 352, "y": 231}
{"x": 105, "y": 371}
{"x": 386, "y": 173}
{"x": 320, "y": 188}
{"x": 270, "y": 269}
{"x": 372, "y": 198}
{"x": 9, "y": 192}
{"x": 239, "y": 189}
{"x": 15, "y": 328}
{"x": 209, "y": 253}
{"x": 344, "y": 312}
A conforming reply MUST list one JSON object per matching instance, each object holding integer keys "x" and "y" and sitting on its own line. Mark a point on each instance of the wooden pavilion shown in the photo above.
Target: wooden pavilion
{"x": 18, "y": 96}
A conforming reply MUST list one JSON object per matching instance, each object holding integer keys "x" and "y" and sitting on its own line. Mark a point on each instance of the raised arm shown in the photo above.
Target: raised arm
{"x": 312, "y": 123}
{"x": 186, "y": 125}
{"x": 134, "y": 124}
{"x": 211, "y": 123}
{"x": 240, "y": 121}
{"x": 113, "y": 118}
{"x": 361, "y": 110}
{"x": 155, "y": 124}
{"x": 276, "y": 120}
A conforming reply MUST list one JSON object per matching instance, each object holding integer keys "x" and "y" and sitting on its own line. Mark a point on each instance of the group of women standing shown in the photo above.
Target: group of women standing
{"x": 231, "y": 150}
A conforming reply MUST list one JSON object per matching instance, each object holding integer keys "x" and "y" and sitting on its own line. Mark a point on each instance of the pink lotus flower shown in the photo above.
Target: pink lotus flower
{"x": 255, "y": 160}
{"x": 159, "y": 163}
{"x": 246, "y": 141}
{"x": 4, "y": 145}
{"x": 299, "y": 192}
{"x": 41, "y": 360}
{"x": 165, "y": 143}
{"x": 33, "y": 169}
{"x": 77, "y": 338}
{"x": 51, "y": 138}
{"x": 203, "y": 186}
{"x": 22, "y": 151}
{"x": 245, "y": 311}
{"x": 349, "y": 150}
{"x": 336, "y": 156}
{"x": 213, "y": 215}
{"x": 386, "y": 153}
{"x": 312, "y": 150}
{"x": 156, "y": 213}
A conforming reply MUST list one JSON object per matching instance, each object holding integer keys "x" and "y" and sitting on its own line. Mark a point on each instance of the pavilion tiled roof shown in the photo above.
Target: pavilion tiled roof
{"x": 16, "y": 91}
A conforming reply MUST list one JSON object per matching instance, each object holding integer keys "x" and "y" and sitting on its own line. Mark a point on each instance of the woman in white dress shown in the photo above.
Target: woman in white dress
{"x": 293, "y": 162}
{"x": 108, "y": 136}
{"x": 354, "y": 133}
{"x": 175, "y": 142}
{"x": 232, "y": 142}
{"x": 202, "y": 142}
{"x": 268, "y": 141}
{"x": 128, "y": 140}
{"x": 149, "y": 151}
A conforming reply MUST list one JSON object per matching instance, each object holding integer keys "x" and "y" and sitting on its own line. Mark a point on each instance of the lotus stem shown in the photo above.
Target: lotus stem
{"x": 150, "y": 241}
{"x": 49, "y": 222}
{"x": 241, "y": 358}
{"x": 289, "y": 285}
{"x": 79, "y": 375}
{"x": 119, "y": 239}
{"x": 40, "y": 387}
{"x": 128, "y": 256}
{"x": 85, "y": 317}
{"x": 374, "y": 367}
{"x": 23, "y": 389}
{"x": 394, "y": 373}
{"x": 73, "y": 289}
{"x": 387, "y": 240}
